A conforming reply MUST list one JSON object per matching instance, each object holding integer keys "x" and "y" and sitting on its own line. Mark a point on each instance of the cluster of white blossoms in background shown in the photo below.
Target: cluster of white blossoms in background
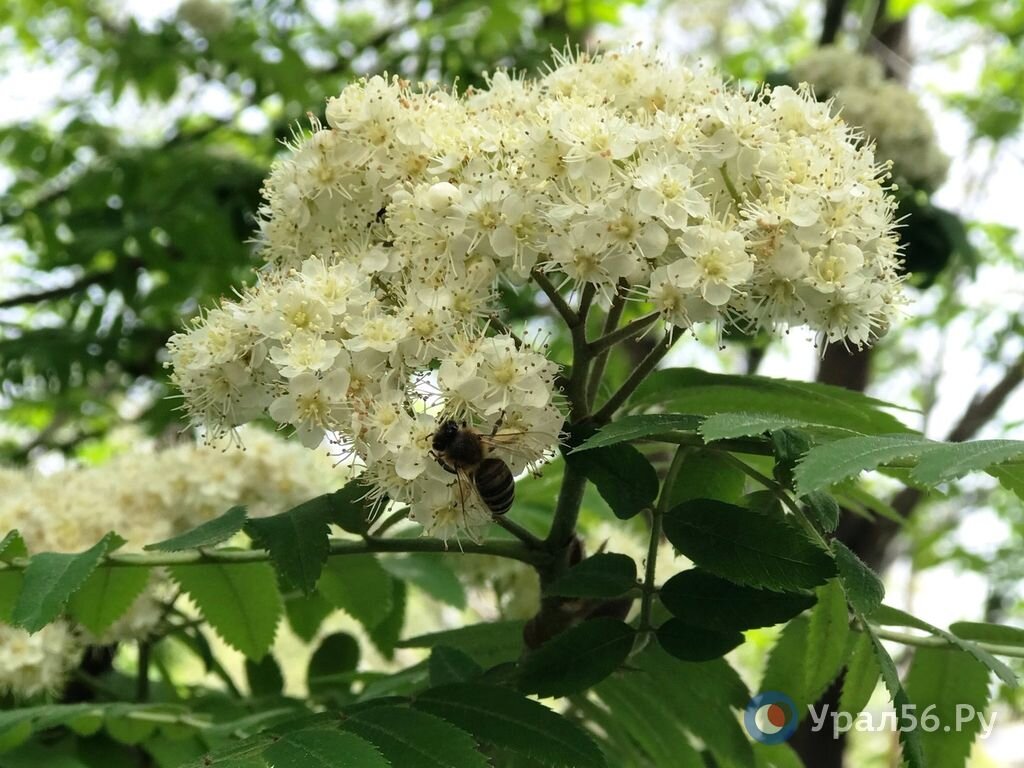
{"x": 887, "y": 112}
{"x": 37, "y": 664}
{"x": 387, "y": 231}
{"x": 144, "y": 496}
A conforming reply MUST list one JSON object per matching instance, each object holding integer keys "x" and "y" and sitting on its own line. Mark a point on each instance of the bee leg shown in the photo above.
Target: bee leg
{"x": 498, "y": 423}
{"x": 444, "y": 464}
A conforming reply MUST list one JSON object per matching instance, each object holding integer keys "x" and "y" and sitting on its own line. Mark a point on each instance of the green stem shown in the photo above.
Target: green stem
{"x": 939, "y": 642}
{"x": 525, "y": 536}
{"x": 142, "y": 676}
{"x": 657, "y": 516}
{"x": 567, "y": 509}
{"x": 733, "y": 192}
{"x": 628, "y": 331}
{"x": 557, "y": 301}
{"x": 514, "y": 550}
{"x": 648, "y": 364}
{"x": 695, "y": 440}
{"x": 611, "y": 322}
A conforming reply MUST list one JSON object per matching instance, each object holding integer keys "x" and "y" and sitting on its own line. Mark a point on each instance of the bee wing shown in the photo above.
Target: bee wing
{"x": 517, "y": 443}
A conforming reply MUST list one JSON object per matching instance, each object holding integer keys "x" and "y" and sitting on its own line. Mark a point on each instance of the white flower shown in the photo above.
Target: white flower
{"x": 39, "y": 663}
{"x": 312, "y": 405}
{"x": 305, "y": 353}
{"x": 716, "y": 261}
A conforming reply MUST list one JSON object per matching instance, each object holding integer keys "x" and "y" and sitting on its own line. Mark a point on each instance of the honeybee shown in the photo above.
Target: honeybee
{"x": 465, "y": 453}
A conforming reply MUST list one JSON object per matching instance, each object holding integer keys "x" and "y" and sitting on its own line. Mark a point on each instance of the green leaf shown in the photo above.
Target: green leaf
{"x": 786, "y": 670}
{"x": 951, "y": 460}
{"x": 822, "y": 509}
{"x": 336, "y": 654}
{"x": 722, "y": 426}
{"x": 10, "y": 588}
{"x": 707, "y": 474}
{"x": 306, "y": 613}
{"x": 51, "y": 578}
{"x": 689, "y": 390}
{"x": 208, "y": 534}
{"x": 487, "y": 644}
{"x": 408, "y": 737}
{"x": 431, "y": 573}
{"x": 863, "y": 587}
{"x": 622, "y": 475}
{"x": 828, "y": 630}
{"x": 996, "y": 634}
{"x": 605, "y": 574}
{"x": 239, "y": 600}
{"x": 861, "y": 678}
{"x": 775, "y": 756}
{"x": 386, "y": 633}
{"x": 827, "y": 464}
{"x": 12, "y": 547}
{"x": 359, "y": 586}
{"x": 351, "y": 512}
{"x": 747, "y": 547}
{"x": 629, "y": 428}
{"x": 1010, "y": 476}
{"x": 450, "y": 665}
{"x": 497, "y": 716}
{"x": 576, "y": 659}
{"x": 264, "y": 676}
{"x": 701, "y": 599}
{"x": 297, "y": 542}
{"x": 947, "y": 679}
{"x": 894, "y": 616}
{"x": 690, "y": 642}
{"x": 106, "y": 595}
{"x": 323, "y": 748}
{"x": 910, "y": 738}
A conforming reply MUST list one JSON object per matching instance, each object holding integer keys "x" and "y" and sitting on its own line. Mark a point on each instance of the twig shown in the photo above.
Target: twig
{"x": 938, "y": 642}
{"x": 628, "y": 331}
{"x": 658, "y": 514}
{"x": 525, "y": 536}
{"x": 611, "y": 322}
{"x": 648, "y": 364}
{"x": 557, "y": 301}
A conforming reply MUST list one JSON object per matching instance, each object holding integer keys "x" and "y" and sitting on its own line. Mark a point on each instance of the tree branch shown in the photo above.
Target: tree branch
{"x": 938, "y": 642}
{"x": 648, "y": 364}
{"x": 611, "y": 322}
{"x": 628, "y": 331}
{"x": 513, "y": 550}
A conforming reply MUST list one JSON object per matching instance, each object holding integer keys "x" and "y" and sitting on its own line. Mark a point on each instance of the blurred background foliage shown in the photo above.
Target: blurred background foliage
{"x": 128, "y": 190}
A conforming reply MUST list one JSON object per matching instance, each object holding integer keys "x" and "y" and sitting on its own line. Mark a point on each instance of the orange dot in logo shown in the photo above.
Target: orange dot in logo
{"x": 776, "y": 715}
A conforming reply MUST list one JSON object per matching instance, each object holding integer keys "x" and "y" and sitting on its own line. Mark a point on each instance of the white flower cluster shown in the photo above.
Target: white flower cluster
{"x": 386, "y": 232}
{"x": 145, "y": 497}
{"x": 37, "y": 664}
{"x": 887, "y": 112}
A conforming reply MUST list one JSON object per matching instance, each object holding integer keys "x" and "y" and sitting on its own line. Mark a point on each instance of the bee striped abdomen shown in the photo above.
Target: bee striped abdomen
{"x": 496, "y": 485}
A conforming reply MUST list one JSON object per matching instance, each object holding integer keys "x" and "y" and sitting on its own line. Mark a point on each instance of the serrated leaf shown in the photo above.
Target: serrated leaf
{"x": 622, "y": 475}
{"x": 450, "y": 665}
{"x": 862, "y": 674}
{"x": 910, "y": 738}
{"x": 106, "y": 595}
{"x": 951, "y": 460}
{"x": 495, "y": 715}
{"x": 306, "y": 613}
{"x": 886, "y": 614}
{"x": 360, "y": 586}
{"x": 775, "y": 756}
{"x": 707, "y": 474}
{"x": 386, "y": 633}
{"x": 747, "y": 547}
{"x": 827, "y": 464}
{"x": 948, "y": 679}
{"x": 1011, "y": 477}
{"x": 822, "y": 509}
{"x": 51, "y": 578}
{"x": 704, "y": 600}
{"x": 996, "y": 634}
{"x": 12, "y": 547}
{"x": 239, "y": 600}
{"x": 629, "y": 428}
{"x": 606, "y": 574}
{"x": 864, "y": 589}
{"x": 10, "y": 588}
{"x": 722, "y": 426}
{"x": 576, "y": 659}
{"x": 209, "y": 534}
{"x": 431, "y": 573}
{"x": 323, "y": 748}
{"x": 264, "y": 676}
{"x": 689, "y": 390}
{"x": 336, "y": 654}
{"x": 785, "y": 668}
{"x": 487, "y": 644}
{"x": 350, "y": 510}
{"x": 690, "y": 642}
{"x": 297, "y": 541}
{"x": 408, "y": 737}
{"x": 828, "y": 630}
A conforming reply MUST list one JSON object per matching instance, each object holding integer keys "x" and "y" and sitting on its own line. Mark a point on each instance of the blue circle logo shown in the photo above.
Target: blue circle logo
{"x": 771, "y": 717}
